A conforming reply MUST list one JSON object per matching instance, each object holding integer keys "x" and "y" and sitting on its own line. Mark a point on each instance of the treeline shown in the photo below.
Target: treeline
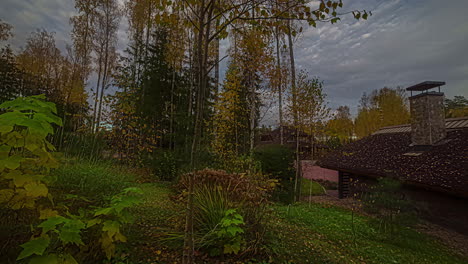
{"x": 164, "y": 91}
{"x": 381, "y": 108}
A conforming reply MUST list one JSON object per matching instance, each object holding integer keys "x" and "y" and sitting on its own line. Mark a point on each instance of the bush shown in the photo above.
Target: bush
{"x": 277, "y": 161}
{"x": 165, "y": 165}
{"x": 97, "y": 181}
{"x": 240, "y": 164}
{"x": 309, "y": 187}
{"x": 212, "y": 220}
{"x": 241, "y": 188}
{"x": 389, "y": 204}
{"x": 25, "y": 164}
{"x": 84, "y": 146}
{"x": 225, "y": 201}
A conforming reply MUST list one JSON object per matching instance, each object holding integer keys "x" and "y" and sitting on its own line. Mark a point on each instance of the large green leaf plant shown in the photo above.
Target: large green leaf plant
{"x": 25, "y": 162}
{"x": 25, "y": 153}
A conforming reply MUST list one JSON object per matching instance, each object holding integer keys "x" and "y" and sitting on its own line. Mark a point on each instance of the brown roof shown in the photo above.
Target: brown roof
{"x": 443, "y": 167}
{"x": 450, "y": 123}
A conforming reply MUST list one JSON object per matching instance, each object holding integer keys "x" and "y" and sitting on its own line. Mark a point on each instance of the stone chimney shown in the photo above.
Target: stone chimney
{"x": 427, "y": 114}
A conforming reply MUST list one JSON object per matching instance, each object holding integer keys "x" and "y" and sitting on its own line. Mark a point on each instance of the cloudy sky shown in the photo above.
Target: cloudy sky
{"x": 403, "y": 43}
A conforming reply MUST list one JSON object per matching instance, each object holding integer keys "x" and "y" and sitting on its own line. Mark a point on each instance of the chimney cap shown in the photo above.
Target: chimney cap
{"x": 425, "y": 86}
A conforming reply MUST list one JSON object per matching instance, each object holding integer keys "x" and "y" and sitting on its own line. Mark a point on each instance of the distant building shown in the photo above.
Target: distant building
{"x": 307, "y": 144}
{"x": 429, "y": 156}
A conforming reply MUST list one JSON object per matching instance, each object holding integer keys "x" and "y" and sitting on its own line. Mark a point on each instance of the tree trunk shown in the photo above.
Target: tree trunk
{"x": 297, "y": 181}
{"x": 252, "y": 115}
{"x": 148, "y": 29}
{"x": 96, "y": 97}
{"x": 200, "y": 88}
{"x": 171, "y": 123}
{"x": 188, "y": 239}
{"x": 280, "y": 75}
{"x": 295, "y": 117}
{"x": 280, "y": 92}
{"x": 104, "y": 83}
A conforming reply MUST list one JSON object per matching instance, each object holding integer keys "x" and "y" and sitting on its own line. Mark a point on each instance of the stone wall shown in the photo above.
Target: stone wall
{"x": 427, "y": 118}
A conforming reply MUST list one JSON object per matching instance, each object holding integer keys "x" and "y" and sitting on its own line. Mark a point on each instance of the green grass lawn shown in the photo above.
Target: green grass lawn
{"x": 155, "y": 217}
{"x": 323, "y": 234}
{"x": 298, "y": 234}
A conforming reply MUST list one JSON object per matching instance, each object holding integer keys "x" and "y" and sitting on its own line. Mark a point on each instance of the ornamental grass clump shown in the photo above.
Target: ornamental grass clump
{"x": 228, "y": 210}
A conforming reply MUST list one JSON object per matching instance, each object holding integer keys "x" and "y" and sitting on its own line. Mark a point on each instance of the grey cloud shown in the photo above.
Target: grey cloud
{"x": 26, "y": 16}
{"x": 404, "y": 42}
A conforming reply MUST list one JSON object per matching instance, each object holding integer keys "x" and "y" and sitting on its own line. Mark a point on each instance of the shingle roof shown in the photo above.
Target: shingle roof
{"x": 450, "y": 123}
{"x": 443, "y": 167}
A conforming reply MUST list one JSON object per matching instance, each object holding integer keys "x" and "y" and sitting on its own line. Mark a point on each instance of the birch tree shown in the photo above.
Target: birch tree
{"x": 106, "y": 26}
{"x": 307, "y": 115}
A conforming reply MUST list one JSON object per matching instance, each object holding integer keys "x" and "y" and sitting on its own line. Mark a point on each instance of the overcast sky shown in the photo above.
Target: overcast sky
{"x": 403, "y": 43}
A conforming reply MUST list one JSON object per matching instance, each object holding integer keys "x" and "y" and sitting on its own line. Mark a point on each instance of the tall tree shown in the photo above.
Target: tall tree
{"x": 456, "y": 107}
{"x": 341, "y": 125}
{"x": 83, "y": 35}
{"x": 231, "y": 118}
{"x": 383, "y": 107}
{"x": 106, "y": 26}
{"x": 307, "y": 115}
{"x": 5, "y": 31}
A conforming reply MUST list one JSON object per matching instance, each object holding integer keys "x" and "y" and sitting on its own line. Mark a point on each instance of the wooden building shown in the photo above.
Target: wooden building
{"x": 429, "y": 157}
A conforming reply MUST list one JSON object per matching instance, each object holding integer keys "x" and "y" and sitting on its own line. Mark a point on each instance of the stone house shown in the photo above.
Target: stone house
{"x": 429, "y": 157}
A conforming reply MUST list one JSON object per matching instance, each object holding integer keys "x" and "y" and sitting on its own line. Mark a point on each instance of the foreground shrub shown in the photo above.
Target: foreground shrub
{"x": 69, "y": 230}
{"x": 64, "y": 237}
{"x": 25, "y": 162}
{"x": 311, "y": 188}
{"x": 97, "y": 181}
{"x": 241, "y": 188}
{"x": 277, "y": 161}
{"x": 164, "y": 164}
{"x": 83, "y": 145}
{"x": 228, "y": 210}
{"x": 388, "y": 203}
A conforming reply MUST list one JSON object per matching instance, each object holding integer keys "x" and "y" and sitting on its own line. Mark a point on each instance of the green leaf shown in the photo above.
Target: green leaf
{"x": 47, "y": 213}
{"x": 35, "y": 246}
{"x": 22, "y": 179}
{"x": 69, "y": 259}
{"x": 133, "y": 190}
{"x": 230, "y": 211}
{"x": 52, "y": 223}
{"x": 4, "y": 151}
{"x": 125, "y": 202}
{"x": 233, "y": 230}
{"x": 36, "y": 127}
{"x": 103, "y": 211}
{"x": 70, "y": 232}
{"x": 231, "y": 248}
{"x": 112, "y": 227}
{"x": 12, "y": 162}
{"x": 6, "y": 195}
{"x": 93, "y": 222}
{"x": 39, "y": 96}
{"x": 49, "y": 259}
{"x": 49, "y": 117}
{"x": 36, "y": 190}
{"x": 12, "y": 118}
{"x": 5, "y": 128}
